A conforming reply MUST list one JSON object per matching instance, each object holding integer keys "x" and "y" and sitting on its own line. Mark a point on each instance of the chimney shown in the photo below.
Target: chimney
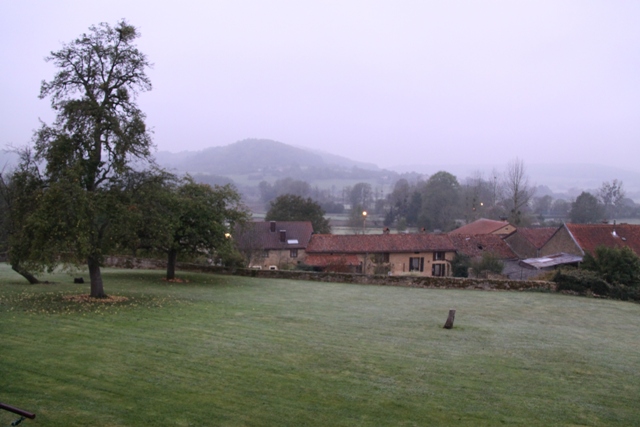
{"x": 283, "y": 236}
{"x": 385, "y": 230}
{"x": 272, "y": 226}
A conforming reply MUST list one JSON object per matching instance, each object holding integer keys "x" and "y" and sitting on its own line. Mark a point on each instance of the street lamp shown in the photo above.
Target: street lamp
{"x": 364, "y": 222}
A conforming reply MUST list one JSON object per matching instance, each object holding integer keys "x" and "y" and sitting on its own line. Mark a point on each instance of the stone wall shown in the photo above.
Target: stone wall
{"x": 361, "y": 279}
{"x": 561, "y": 241}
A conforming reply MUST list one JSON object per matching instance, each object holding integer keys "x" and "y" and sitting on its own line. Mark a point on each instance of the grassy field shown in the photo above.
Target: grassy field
{"x": 230, "y": 351}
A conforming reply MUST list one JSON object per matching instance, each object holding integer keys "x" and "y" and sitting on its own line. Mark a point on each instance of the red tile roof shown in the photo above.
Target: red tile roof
{"x": 480, "y": 226}
{"x": 475, "y": 245}
{"x": 379, "y": 243}
{"x": 537, "y": 236}
{"x": 259, "y": 235}
{"x": 590, "y": 236}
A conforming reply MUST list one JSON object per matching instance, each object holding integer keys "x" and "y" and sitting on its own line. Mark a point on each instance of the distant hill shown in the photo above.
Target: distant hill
{"x": 253, "y": 156}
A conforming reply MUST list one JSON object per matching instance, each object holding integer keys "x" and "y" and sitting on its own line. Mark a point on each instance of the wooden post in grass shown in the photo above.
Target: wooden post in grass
{"x": 449, "y": 323}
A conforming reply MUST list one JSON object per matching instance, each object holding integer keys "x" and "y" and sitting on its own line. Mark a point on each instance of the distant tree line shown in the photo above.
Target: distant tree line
{"x": 441, "y": 202}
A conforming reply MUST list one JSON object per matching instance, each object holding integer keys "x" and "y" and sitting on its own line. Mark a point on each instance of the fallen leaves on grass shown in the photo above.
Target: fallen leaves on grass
{"x": 64, "y": 303}
{"x": 83, "y": 298}
{"x": 176, "y": 280}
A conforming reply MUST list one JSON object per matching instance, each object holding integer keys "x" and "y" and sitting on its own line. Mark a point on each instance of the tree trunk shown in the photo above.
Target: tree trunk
{"x": 449, "y": 323}
{"x": 24, "y": 273}
{"x": 97, "y": 290}
{"x": 171, "y": 264}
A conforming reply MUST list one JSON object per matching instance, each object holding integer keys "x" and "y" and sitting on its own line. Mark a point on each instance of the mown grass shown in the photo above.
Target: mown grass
{"x": 231, "y": 351}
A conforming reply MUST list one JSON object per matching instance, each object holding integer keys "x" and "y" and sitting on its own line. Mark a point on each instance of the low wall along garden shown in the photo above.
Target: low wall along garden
{"x": 361, "y": 279}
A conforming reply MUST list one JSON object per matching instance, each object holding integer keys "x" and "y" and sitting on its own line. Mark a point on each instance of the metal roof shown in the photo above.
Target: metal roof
{"x": 550, "y": 261}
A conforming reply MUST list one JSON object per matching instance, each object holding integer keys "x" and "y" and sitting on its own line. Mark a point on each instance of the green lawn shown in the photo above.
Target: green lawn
{"x": 231, "y": 351}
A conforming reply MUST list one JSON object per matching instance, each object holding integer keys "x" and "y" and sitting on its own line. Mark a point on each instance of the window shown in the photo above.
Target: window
{"x": 265, "y": 253}
{"x": 293, "y": 253}
{"x": 438, "y": 256}
{"x": 381, "y": 258}
{"x": 416, "y": 264}
{"x": 439, "y": 270}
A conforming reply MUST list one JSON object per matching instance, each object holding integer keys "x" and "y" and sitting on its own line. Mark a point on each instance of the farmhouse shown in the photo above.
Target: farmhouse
{"x": 274, "y": 244}
{"x": 396, "y": 254}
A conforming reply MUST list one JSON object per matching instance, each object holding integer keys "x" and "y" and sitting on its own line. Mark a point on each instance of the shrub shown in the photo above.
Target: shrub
{"x": 580, "y": 281}
{"x": 489, "y": 263}
{"x": 460, "y": 265}
{"x": 614, "y": 265}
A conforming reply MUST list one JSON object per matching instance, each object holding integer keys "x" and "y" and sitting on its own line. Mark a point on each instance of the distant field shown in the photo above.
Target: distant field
{"x": 230, "y": 351}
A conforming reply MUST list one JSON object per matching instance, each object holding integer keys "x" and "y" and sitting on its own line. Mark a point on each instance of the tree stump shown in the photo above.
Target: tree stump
{"x": 449, "y": 323}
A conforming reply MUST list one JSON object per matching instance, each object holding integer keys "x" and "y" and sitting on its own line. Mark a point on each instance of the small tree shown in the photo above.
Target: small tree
{"x": 289, "y": 207}
{"x": 20, "y": 190}
{"x": 460, "y": 265}
{"x": 201, "y": 221}
{"x": 516, "y": 191}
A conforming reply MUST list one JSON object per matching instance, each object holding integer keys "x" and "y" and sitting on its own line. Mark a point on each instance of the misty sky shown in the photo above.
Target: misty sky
{"x": 389, "y": 82}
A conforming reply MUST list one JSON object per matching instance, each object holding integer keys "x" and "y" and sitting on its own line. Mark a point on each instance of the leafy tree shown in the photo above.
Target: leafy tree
{"x": 20, "y": 190}
{"x": 542, "y": 205}
{"x": 586, "y": 209}
{"x": 98, "y": 130}
{"x": 200, "y": 221}
{"x": 440, "y": 202}
{"x": 290, "y": 207}
{"x": 560, "y": 207}
{"x": 151, "y": 209}
{"x": 398, "y": 201}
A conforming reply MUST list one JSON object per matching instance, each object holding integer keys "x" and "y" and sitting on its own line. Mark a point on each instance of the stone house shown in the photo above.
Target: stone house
{"x": 274, "y": 244}
{"x": 527, "y": 242}
{"x": 395, "y": 254}
{"x": 578, "y": 239}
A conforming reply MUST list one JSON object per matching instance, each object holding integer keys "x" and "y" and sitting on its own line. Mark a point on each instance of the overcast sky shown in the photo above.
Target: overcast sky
{"x": 388, "y": 82}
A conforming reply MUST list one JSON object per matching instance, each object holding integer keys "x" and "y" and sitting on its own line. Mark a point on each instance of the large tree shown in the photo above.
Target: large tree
{"x": 98, "y": 131}
{"x": 289, "y": 207}
{"x": 440, "y": 202}
{"x": 586, "y": 209}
